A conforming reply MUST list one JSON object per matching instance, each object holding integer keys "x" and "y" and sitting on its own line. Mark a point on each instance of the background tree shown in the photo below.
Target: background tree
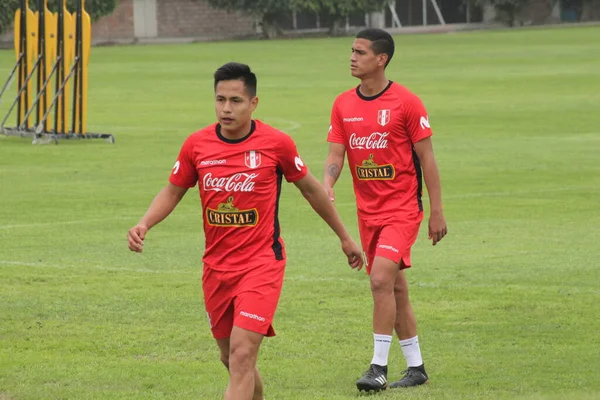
{"x": 510, "y": 8}
{"x": 505, "y": 8}
{"x": 96, "y": 9}
{"x": 339, "y": 10}
{"x": 268, "y": 12}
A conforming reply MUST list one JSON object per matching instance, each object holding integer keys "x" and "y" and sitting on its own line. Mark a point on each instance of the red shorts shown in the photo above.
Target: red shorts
{"x": 247, "y": 299}
{"x": 391, "y": 238}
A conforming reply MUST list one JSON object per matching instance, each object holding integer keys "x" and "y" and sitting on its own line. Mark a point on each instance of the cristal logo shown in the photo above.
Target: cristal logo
{"x": 375, "y": 140}
{"x": 240, "y": 182}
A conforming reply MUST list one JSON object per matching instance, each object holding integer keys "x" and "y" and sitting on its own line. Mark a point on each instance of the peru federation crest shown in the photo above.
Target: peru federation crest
{"x": 252, "y": 159}
{"x": 383, "y": 117}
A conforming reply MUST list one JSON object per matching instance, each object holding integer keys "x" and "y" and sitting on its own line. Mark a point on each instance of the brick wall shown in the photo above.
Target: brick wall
{"x": 118, "y": 25}
{"x": 195, "y": 18}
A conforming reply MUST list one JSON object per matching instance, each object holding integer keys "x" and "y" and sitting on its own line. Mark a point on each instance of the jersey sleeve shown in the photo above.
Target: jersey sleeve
{"x": 289, "y": 160}
{"x": 336, "y": 132}
{"x": 184, "y": 173}
{"x": 416, "y": 120}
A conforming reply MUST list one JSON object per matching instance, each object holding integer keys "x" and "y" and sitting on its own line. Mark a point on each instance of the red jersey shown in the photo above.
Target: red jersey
{"x": 239, "y": 183}
{"x": 379, "y": 133}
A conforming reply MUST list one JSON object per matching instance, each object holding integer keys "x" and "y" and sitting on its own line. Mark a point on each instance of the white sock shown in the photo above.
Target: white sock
{"x": 381, "y": 349}
{"x": 412, "y": 351}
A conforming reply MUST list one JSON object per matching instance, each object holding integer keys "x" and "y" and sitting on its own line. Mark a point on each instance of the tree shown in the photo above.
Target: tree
{"x": 590, "y": 11}
{"x": 583, "y": 10}
{"x": 269, "y": 11}
{"x": 341, "y": 9}
{"x": 510, "y": 8}
{"x": 266, "y": 11}
{"x": 96, "y": 9}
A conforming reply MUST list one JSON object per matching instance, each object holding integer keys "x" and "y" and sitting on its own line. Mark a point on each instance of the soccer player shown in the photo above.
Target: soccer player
{"x": 384, "y": 129}
{"x": 238, "y": 164}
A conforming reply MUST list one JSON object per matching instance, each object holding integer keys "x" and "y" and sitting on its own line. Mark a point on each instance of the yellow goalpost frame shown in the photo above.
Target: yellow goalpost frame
{"x": 52, "y": 58}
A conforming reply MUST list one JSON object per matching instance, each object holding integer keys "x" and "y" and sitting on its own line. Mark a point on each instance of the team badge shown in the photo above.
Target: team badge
{"x": 252, "y": 159}
{"x": 383, "y": 117}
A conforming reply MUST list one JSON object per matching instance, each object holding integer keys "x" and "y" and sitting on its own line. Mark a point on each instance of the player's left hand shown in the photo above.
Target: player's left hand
{"x": 352, "y": 251}
{"x": 437, "y": 227}
{"x": 136, "y": 236}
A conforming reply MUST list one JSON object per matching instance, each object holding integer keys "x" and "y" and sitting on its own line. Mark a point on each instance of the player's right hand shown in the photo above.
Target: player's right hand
{"x": 136, "y": 236}
{"x": 330, "y": 193}
{"x": 352, "y": 251}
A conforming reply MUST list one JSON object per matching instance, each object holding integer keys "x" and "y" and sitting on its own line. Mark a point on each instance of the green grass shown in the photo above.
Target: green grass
{"x": 507, "y": 304}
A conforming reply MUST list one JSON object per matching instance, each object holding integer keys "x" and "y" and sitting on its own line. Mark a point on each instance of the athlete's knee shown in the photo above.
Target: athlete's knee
{"x": 383, "y": 276}
{"x": 224, "y": 351}
{"x": 225, "y": 360}
{"x": 401, "y": 285}
{"x": 401, "y": 288}
{"x": 242, "y": 357}
{"x": 380, "y": 284}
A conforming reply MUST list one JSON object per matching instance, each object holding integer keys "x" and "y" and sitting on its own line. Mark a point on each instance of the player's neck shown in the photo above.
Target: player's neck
{"x": 237, "y": 134}
{"x": 374, "y": 85}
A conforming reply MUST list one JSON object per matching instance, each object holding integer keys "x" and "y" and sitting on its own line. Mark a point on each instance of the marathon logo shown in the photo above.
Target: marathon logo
{"x": 252, "y": 316}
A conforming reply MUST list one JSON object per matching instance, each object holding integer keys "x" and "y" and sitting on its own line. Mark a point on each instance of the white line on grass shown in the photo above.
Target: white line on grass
{"x": 116, "y": 128}
{"x": 521, "y": 192}
{"x": 299, "y": 278}
{"x": 197, "y": 271}
{"x": 338, "y": 203}
{"x": 293, "y": 125}
{"x": 96, "y": 267}
{"x": 501, "y": 194}
{"x": 59, "y": 223}
{"x": 132, "y": 218}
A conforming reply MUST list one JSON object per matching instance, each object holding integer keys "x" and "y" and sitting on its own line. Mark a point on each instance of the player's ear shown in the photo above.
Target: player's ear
{"x": 254, "y": 102}
{"x": 382, "y": 59}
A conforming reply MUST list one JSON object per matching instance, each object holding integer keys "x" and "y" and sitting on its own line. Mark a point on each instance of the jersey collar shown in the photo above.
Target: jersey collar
{"x": 369, "y": 98}
{"x": 234, "y": 141}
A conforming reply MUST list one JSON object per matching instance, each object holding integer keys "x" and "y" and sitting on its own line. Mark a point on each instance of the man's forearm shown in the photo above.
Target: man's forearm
{"x": 431, "y": 175}
{"x": 162, "y": 205}
{"x": 333, "y": 169}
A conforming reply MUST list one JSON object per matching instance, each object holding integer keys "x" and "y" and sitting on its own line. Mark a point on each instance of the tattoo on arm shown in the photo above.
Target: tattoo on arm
{"x": 333, "y": 170}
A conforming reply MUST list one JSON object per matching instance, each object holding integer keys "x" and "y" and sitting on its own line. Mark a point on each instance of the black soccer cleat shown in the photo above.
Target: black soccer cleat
{"x": 413, "y": 376}
{"x": 374, "y": 379}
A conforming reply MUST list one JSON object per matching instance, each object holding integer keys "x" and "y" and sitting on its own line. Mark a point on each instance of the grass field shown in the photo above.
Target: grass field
{"x": 507, "y": 304}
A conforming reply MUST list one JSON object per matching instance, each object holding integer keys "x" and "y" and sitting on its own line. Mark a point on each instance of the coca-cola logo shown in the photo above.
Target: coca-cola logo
{"x": 241, "y": 182}
{"x": 375, "y": 140}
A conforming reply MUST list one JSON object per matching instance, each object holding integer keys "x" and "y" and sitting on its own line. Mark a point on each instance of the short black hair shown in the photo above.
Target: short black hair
{"x": 382, "y": 42}
{"x": 236, "y": 71}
